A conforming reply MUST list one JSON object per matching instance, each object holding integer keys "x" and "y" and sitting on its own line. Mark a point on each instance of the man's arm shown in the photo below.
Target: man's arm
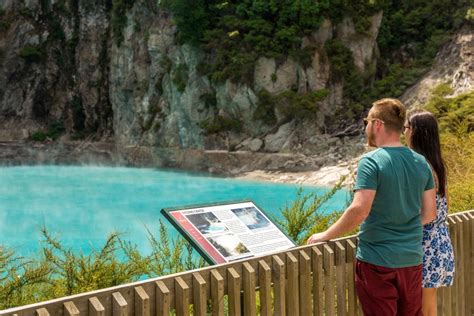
{"x": 428, "y": 206}
{"x": 355, "y": 214}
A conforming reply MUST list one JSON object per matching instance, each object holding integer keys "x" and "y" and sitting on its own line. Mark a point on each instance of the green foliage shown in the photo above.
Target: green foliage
{"x": 340, "y": 58}
{"x": 304, "y": 216}
{"x": 17, "y": 277}
{"x": 55, "y": 130}
{"x": 458, "y": 153}
{"x": 180, "y": 77}
{"x": 170, "y": 256}
{"x": 119, "y": 18}
{"x": 4, "y": 26}
{"x": 454, "y": 114}
{"x": 221, "y": 124}
{"x": 265, "y": 110}
{"x": 32, "y": 53}
{"x": 75, "y": 273}
{"x": 236, "y": 34}
{"x": 456, "y": 120}
{"x": 60, "y": 271}
{"x": 290, "y": 104}
{"x": 78, "y": 114}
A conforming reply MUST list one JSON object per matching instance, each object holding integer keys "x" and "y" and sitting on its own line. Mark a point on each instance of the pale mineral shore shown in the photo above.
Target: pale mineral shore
{"x": 325, "y": 176}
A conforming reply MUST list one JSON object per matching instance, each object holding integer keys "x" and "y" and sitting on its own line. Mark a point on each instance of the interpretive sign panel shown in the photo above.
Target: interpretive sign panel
{"x": 228, "y": 231}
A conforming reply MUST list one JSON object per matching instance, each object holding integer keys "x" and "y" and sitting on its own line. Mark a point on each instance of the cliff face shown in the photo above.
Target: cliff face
{"x": 66, "y": 65}
{"x": 454, "y": 65}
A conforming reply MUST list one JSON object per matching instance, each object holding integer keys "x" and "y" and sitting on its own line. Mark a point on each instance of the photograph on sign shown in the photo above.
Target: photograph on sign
{"x": 228, "y": 231}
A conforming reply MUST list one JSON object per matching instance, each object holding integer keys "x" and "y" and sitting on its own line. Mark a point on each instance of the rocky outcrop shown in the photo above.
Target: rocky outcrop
{"x": 132, "y": 95}
{"x": 453, "y": 65}
{"x": 69, "y": 63}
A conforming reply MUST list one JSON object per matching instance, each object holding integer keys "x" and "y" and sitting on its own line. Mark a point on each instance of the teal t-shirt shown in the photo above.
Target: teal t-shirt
{"x": 391, "y": 235}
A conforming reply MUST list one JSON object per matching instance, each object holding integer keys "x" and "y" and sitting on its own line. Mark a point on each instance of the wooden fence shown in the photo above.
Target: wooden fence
{"x": 309, "y": 280}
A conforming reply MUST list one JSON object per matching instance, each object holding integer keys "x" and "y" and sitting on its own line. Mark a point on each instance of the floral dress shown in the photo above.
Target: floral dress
{"x": 438, "y": 258}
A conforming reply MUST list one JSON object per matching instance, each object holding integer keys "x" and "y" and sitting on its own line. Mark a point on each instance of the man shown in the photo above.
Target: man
{"x": 394, "y": 195}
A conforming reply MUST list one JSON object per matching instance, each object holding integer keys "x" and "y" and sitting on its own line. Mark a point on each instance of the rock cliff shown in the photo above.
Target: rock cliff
{"x": 61, "y": 62}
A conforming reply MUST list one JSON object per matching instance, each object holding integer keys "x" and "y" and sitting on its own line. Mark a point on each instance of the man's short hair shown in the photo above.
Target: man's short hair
{"x": 391, "y": 111}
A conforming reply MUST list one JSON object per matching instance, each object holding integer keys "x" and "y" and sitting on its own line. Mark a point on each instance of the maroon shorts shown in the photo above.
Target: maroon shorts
{"x": 388, "y": 291}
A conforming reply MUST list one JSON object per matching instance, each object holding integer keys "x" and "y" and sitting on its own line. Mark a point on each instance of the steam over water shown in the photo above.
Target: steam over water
{"x": 82, "y": 205}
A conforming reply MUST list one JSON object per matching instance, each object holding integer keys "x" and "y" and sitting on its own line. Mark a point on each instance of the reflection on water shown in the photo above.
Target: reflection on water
{"x": 81, "y": 205}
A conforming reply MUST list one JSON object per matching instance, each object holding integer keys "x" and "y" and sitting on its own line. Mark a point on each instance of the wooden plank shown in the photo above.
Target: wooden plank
{"x": 329, "y": 282}
{"x": 265, "y": 288}
{"x": 461, "y": 298}
{"x": 340, "y": 259}
{"x": 142, "y": 302}
{"x": 163, "y": 299}
{"x": 119, "y": 305}
{"x": 199, "y": 295}
{"x": 42, "y": 312}
{"x": 217, "y": 293}
{"x": 249, "y": 283}
{"x": 279, "y": 277}
{"x": 305, "y": 303}
{"x": 318, "y": 285}
{"x": 350, "y": 277}
{"x": 452, "y": 309}
{"x": 293, "y": 301}
{"x": 181, "y": 297}
{"x": 95, "y": 307}
{"x": 470, "y": 257}
{"x": 70, "y": 309}
{"x": 233, "y": 292}
{"x": 468, "y": 292}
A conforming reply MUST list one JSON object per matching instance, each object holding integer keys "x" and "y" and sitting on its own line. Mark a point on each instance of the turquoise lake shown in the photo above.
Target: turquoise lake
{"x": 82, "y": 205}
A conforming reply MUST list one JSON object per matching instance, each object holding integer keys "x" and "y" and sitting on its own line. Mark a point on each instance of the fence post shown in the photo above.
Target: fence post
{"x": 318, "y": 273}
{"x": 70, "y": 309}
{"x": 329, "y": 273}
{"x": 340, "y": 278}
{"x": 265, "y": 285}
{"x": 181, "y": 290}
{"x": 249, "y": 289}
{"x": 350, "y": 275}
{"x": 217, "y": 293}
{"x": 292, "y": 303}
{"x": 233, "y": 290}
{"x": 279, "y": 285}
{"x": 306, "y": 306}
{"x": 199, "y": 295}
{"x": 142, "y": 302}
{"x": 163, "y": 299}
{"x": 95, "y": 307}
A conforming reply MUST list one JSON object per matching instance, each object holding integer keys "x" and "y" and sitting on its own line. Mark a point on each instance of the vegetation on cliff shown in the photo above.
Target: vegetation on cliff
{"x": 236, "y": 34}
{"x": 456, "y": 119}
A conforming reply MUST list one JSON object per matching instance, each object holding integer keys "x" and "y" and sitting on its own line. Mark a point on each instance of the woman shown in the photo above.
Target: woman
{"x": 421, "y": 132}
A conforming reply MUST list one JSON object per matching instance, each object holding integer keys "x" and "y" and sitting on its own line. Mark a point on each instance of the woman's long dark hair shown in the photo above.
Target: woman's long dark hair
{"x": 425, "y": 141}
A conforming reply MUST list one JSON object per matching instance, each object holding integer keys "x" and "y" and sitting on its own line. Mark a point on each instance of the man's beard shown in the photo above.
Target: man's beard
{"x": 371, "y": 137}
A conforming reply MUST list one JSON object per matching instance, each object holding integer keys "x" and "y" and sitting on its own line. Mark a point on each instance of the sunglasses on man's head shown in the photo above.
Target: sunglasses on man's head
{"x": 367, "y": 120}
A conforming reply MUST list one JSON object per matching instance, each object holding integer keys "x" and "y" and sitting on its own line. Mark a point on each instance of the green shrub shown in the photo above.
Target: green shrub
{"x": 304, "y": 216}
{"x": 32, "y": 53}
{"x": 180, "y": 77}
{"x": 4, "y": 25}
{"x": 119, "y": 18}
{"x": 39, "y": 136}
{"x": 290, "y": 104}
{"x": 221, "y": 124}
{"x": 55, "y": 130}
{"x": 78, "y": 114}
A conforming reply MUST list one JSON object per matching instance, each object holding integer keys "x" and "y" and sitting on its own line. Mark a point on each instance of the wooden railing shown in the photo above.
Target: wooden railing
{"x": 309, "y": 280}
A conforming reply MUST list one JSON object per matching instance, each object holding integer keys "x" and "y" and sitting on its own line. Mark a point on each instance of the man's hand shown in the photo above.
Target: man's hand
{"x": 318, "y": 237}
